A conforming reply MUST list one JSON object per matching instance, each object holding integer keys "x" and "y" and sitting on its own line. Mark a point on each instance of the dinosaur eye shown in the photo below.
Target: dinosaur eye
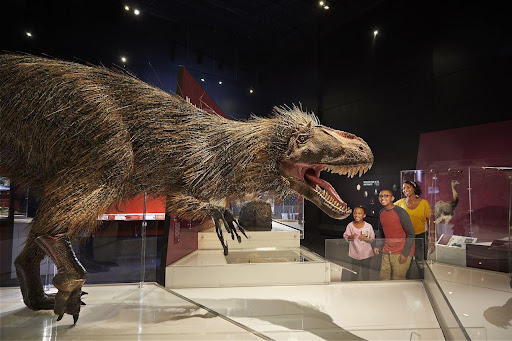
{"x": 302, "y": 138}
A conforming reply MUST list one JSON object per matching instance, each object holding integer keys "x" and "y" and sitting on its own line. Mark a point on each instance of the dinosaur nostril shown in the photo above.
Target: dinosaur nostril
{"x": 361, "y": 148}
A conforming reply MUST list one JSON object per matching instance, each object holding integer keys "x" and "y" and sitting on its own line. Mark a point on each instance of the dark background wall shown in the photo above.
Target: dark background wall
{"x": 433, "y": 65}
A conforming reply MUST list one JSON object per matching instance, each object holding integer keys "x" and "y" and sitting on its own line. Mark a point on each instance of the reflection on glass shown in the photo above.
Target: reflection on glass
{"x": 265, "y": 213}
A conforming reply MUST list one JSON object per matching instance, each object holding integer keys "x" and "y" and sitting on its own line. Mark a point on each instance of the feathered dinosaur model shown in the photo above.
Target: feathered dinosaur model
{"x": 444, "y": 210}
{"x": 84, "y": 138}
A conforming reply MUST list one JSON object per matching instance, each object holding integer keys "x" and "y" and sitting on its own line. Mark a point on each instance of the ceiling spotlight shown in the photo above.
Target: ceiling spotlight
{"x": 220, "y": 82}
{"x": 375, "y": 33}
{"x": 127, "y": 7}
{"x": 29, "y": 34}
{"x": 326, "y": 7}
{"x": 202, "y": 79}
{"x": 251, "y": 91}
{"x": 136, "y": 12}
{"x": 321, "y": 3}
{"x": 123, "y": 59}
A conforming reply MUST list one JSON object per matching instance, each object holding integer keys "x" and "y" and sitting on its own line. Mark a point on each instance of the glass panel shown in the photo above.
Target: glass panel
{"x": 17, "y": 209}
{"x": 152, "y": 257}
{"x": 489, "y": 245}
{"x": 113, "y": 253}
{"x": 344, "y": 253}
{"x": 285, "y": 215}
{"x": 448, "y": 320}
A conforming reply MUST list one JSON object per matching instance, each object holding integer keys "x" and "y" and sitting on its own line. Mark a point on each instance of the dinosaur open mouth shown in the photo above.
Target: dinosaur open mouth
{"x": 318, "y": 190}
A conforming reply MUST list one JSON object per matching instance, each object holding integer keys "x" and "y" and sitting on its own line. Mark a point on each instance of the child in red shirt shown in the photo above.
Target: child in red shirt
{"x": 396, "y": 227}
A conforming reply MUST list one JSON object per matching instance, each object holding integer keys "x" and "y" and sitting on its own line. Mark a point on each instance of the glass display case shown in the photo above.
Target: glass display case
{"x": 125, "y": 248}
{"x": 285, "y": 215}
{"x": 471, "y": 209}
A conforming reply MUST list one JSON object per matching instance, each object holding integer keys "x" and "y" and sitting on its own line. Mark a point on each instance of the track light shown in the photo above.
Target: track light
{"x": 136, "y": 12}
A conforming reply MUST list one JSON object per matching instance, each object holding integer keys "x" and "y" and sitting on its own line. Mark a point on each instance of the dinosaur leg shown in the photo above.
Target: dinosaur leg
{"x": 27, "y": 269}
{"x": 71, "y": 274}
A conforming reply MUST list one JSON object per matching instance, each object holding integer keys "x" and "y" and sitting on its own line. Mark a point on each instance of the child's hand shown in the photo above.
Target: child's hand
{"x": 376, "y": 250}
{"x": 402, "y": 259}
{"x": 364, "y": 238}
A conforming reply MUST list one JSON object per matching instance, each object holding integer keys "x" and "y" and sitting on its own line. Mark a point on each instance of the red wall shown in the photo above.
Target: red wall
{"x": 183, "y": 233}
{"x": 481, "y": 145}
{"x": 450, "y": 153}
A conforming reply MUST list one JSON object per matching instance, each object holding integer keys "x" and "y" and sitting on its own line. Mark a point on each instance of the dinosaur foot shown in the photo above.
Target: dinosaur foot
{"x": 42, "y": 302}
{"x": 68, "y": 298}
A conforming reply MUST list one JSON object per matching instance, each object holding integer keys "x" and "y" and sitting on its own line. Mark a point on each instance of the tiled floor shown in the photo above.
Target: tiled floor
{"x": 395, "y": 310}
{"x": 120, "y": 312}
{"x": 343, "y": 311}
{"x": 480, "y": 298}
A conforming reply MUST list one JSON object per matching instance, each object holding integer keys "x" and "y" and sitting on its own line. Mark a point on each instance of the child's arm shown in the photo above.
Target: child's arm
{"x": 372, "y": 234}
{"x": 347, "y": 235}
{"x": 379, "y": 236}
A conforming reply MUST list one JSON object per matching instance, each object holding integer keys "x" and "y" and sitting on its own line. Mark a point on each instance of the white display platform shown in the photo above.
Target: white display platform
{"x": 265, "y": 258}
{"x": 450, "y": 255}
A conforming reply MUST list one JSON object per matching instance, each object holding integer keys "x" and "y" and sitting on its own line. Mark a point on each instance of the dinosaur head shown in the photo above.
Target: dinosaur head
{"x": 313, "y": 148}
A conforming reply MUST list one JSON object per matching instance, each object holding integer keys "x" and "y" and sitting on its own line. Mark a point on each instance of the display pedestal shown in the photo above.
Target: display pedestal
{"x": 265, "y": 258}
{"x": 450, "y": 255}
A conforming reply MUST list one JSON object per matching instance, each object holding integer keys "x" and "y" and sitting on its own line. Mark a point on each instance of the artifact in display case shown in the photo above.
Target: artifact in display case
{"x": 460, "y": 241}
{"x": 477, "y": 215}
{"x": 256, "y": 215}
{"x": 148, "y": 141}
{"x": 444, "y": 210}
{"x": 266, "y": 213}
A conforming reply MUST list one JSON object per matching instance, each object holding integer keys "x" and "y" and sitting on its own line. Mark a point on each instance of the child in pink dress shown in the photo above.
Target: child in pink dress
{"x": 361, "y": 235}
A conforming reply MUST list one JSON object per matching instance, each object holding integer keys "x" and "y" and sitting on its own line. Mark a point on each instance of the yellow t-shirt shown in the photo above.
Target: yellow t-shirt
{"x": 418, "y": 216}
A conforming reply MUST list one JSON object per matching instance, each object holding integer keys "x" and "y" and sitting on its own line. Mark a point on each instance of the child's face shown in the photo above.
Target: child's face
{"x": 359, "y": 214}
{"x": 385, "y": 198}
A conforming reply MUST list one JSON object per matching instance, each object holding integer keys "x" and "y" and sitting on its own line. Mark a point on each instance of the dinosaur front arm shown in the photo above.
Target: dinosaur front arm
{"x": 191, "y": 208}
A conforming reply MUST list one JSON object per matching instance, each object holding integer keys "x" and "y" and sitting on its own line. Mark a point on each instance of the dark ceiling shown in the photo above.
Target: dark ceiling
{"x": 92, "y": 29}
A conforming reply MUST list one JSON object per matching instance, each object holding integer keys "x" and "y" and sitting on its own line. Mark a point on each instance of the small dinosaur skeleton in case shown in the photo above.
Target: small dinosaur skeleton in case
{"x": 84, "y": 138}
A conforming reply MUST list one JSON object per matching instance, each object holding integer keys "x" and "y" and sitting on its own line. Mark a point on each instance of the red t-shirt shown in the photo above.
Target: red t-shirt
{"x": 394, "y": 232}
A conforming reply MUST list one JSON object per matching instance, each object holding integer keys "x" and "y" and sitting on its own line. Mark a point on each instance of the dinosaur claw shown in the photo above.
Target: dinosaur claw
{"x": 60, "y": 317}
{"x": 225, "y": 250}
{"x": 84, "y": 293}
{"x": 82, "y": 303}
{"x": 239, "y": 238}
{"x": 75, "y": 318}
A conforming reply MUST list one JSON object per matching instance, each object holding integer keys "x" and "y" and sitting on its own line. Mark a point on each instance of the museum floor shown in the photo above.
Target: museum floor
{"x": 392, "y": 310}
{"x": 344, "y": 311}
